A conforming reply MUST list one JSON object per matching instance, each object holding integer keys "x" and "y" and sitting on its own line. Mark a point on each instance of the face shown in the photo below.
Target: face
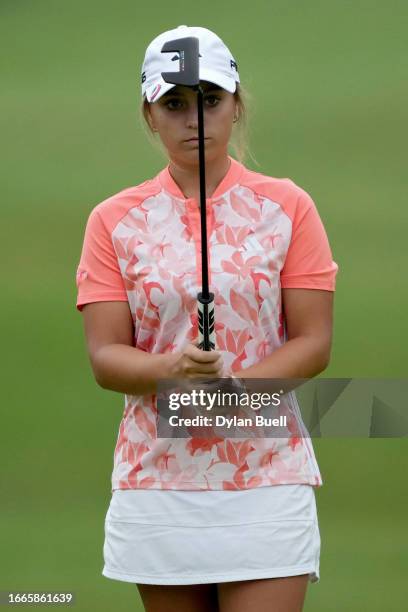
{"x": 174, "y": 117}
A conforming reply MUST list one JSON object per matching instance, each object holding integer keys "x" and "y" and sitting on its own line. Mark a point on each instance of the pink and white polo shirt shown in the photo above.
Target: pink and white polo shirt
{"x": 142, "y": 246}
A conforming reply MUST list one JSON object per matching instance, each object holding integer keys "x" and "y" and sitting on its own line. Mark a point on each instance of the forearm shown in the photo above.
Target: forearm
{"x": 300, "y": 357}
{"x": 129, "y": 370}
{"x": 126, "y": 369}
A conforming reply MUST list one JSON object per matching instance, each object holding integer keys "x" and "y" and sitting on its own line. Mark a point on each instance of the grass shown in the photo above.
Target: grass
{"x": 330, "y": 90}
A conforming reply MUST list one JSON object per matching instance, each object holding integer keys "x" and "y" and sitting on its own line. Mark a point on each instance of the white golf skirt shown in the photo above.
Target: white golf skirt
{"x": 157, "y": 536}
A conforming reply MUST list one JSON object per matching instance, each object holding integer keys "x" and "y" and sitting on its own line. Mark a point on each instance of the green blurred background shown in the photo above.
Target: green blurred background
{"x": 328, "y": 79}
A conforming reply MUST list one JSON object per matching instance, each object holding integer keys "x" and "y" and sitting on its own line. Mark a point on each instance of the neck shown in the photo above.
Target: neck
{"x": 187, "y": 177}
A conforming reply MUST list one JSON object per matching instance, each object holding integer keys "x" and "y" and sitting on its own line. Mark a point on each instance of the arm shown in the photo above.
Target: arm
{"x": 119, "y": 366}
{"x": 116, "y": 363}
{"x": 307, "y": 282}
{"x": 309, "y": 322}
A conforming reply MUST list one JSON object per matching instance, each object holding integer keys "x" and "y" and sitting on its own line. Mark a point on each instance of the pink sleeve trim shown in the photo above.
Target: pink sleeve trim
{"x": 307, "y": 284}
{"x": 98, "y": 297}
{"x": 322, "y": 279}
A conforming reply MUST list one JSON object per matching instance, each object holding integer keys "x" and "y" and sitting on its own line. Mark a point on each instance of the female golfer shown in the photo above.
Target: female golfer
{"x": 217, "y": 523}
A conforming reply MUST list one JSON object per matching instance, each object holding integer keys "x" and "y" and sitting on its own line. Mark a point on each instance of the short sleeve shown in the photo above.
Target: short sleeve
{"x": 309, "y": 263}
{"x": 98, "y": 276}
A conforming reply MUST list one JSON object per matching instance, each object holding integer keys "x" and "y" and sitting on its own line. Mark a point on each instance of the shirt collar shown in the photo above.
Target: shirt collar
{"x": 230, "y": 179}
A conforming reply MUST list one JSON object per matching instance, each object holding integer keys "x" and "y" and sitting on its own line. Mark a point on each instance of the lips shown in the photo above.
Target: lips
{"x": 194, "y": 139}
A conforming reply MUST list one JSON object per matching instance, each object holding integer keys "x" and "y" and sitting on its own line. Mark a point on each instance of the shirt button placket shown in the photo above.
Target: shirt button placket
{"x": 193, "y": 211}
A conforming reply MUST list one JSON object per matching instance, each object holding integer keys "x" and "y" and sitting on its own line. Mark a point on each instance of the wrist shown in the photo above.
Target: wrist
{"x": 167, "y": 364}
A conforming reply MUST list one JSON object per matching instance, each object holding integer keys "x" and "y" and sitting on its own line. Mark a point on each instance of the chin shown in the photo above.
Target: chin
{"x": 191, "y": 157}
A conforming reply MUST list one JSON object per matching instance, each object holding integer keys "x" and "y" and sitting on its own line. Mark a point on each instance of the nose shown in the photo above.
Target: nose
{"x": 192, "y": 117}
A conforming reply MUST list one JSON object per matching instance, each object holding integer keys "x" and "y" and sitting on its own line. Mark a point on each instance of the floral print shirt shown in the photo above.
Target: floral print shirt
{"x": 143, "y": 246}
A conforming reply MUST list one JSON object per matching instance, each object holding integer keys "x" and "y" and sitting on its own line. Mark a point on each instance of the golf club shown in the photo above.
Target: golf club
{"x": 188, "y": 75}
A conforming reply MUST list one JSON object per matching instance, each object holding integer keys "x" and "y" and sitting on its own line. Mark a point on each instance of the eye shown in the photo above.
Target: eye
{"x": 212, "y": 100}
{"x": 173, "y": 104}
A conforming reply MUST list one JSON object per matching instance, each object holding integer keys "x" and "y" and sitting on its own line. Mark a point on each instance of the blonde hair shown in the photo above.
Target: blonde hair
{"x": 239, "y": 142}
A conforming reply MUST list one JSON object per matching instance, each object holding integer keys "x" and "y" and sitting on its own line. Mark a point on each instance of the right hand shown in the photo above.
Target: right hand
{"x": 193, "y": 362}
{"x": 189, "y": 365}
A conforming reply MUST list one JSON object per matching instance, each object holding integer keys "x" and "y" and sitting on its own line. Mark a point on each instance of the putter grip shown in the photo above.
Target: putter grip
{"x": 206, "y": 323}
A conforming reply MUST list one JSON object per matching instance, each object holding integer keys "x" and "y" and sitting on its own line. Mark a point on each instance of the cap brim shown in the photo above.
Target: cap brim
{"x": 222, "y": 80}
{"x": 156, "y": 91}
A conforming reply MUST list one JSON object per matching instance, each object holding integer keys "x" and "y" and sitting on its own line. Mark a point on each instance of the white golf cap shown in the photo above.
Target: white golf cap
{"x": 217, "y": 65}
